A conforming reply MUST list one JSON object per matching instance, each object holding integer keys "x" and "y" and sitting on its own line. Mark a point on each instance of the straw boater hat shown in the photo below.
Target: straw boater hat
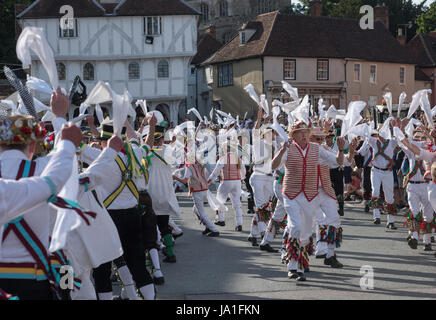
{"x": 300, "y": 125}
{"x": 20, "y": 130}
{"x": 107, "y": 130}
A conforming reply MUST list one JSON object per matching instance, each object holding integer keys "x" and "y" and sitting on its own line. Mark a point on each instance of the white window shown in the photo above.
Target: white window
{"x": 225, "y": 75}
{"x": 163, "y": 69}
{"x": 322, "y": 69}
{"x": 134, "y": 71}
{"x": 152, "y": 26}
{"x": 357, "y": 72}
{"x": 69, "y": 29}
{"x": 402, "y": 75}
{"x": 373, "y": 74}
{"x": 204, "y": 8}
{"x": 289, "y": 69}
{"x": 243, "y": 38}
{"x": 224, "y": 9}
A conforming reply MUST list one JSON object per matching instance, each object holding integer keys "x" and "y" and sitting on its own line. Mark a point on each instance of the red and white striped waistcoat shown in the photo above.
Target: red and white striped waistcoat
{"x": 303, "y": 174}
{"x": 198, "y": 181}
{"x": 231, "y": 169}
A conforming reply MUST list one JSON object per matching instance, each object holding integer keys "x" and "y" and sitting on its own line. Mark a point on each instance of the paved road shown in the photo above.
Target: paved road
{"x": 228, "y": 267}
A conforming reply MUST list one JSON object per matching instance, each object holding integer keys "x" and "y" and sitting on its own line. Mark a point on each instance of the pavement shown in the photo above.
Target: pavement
{"x": 229, "y": 268}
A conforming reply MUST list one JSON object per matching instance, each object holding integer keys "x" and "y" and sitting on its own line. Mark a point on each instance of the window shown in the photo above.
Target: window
{"x": 373, "y": 74}
{"x": 224, "y": 9}
{"x": 69, "y": 29}
{"x": 402, "y": 75}
{"x": 62, "y": 74}
{"x": 133, "y": 71}
{"x": 152, "y": 26}
{"x": 322, "y": 70}
{"x": 204, "y": 8}
{"x": 357, "y": 72}
{"x": 243, "y": 38}
{"x": 264, "y": 6}
{"x": 225, "y": 75}
{"x": 88, "y": 71}
{"x": 163, "y": 69}
{"x": 289, "y": 70}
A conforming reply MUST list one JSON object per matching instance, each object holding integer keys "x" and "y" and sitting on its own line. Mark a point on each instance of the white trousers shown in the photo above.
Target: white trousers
{"x": 199, "y": 198}
{"x": 301, "y": 215}
{"x": 386, "y": 180}
{"x": 232, "y": 189}
{"x": 263, "y": 191}
{"x": 278, "y": 215}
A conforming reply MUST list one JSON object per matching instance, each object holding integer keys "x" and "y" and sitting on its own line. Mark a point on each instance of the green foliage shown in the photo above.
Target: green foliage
{"x": 427, "y": 21}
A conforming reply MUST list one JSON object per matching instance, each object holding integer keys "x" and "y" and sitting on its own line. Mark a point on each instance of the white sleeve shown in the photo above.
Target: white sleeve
{"x": 97, "y": 171}
{"x": 217, "y": 170}
{"x": 187, "y": 173}
{"x": 18, "y": 196}
{"x": 427, "y": 155}
{"x": 327, "y": 158}
{"x": 89, "y": 154}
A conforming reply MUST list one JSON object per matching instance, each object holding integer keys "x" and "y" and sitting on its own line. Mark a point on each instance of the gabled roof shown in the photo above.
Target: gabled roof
{"x": 287, "y": 35}
{"x": 207, "y": 46}
{"x": 420, "y": 75}
{"x": 92, "y": 8}
{"x": 423, "y": 48}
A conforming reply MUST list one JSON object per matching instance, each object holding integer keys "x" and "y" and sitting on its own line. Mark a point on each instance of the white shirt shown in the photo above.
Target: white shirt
{"x": 57, "y": 167}
{"x": 379, "y": 161}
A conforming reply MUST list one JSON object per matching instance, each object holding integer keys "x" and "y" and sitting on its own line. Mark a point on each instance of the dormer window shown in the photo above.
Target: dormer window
{"x": 245, "y": 35}
{"x": 243, "y": 38}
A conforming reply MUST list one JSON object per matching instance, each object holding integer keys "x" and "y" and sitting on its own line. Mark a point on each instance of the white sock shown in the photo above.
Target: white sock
{"x": 427, "y": 238}
{"x": 415, "y": 235}
{"x": 147, "y": 292}
{"x": 129, "y": 285}
{"x": 105, "y": 296}
{"x": 391, "y": 218}
{"x": 156, "y": 264}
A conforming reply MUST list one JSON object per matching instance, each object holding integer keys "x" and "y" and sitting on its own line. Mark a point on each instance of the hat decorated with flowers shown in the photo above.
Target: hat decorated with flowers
{"x": 300, "y": 125}
{"x": 20, "y": 129}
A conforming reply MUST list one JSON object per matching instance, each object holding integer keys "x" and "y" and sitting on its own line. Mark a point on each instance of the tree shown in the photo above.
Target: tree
{"x": 295, "y": 8}
{"x": 8, "y": 55}
{"x": 427, "y": 21}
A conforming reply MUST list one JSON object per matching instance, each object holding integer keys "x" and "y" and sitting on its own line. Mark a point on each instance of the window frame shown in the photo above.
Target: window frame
{"x": 93, "y": 71}
{"x": 65, "y": 71}
{"x": 75, "y": 28}
{"x": 295, "y": 69}
{"x": 225, "y": 72}
{"x": 404, "y": 76}
{"x": 145, "y": 29}
{"x": 223, "y": 5}
{"x": 318, "y": 69}
{"x": 204, "y": 9}
{"x": 360, "y": 72}
{"x": 370, "y": 74}
{"x": 129, "y": 70}
{"x": 168, "y": 69}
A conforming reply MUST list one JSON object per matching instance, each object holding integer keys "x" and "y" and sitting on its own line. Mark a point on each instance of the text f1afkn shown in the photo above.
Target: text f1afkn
{"x": 222, "y": 310}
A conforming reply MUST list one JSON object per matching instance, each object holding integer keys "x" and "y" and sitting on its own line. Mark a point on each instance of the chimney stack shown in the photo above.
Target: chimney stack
{"x": 315, "y": 8}
{"x": 382, "y": 14}
{"x": 401, "y": 38}
{"x": 211, "y": 30}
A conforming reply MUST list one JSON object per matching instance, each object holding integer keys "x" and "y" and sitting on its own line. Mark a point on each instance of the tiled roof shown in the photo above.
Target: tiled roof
{"x": 207, "y": 46}
{"x": 306, "y": 36}
{"x": 423, "y": 48}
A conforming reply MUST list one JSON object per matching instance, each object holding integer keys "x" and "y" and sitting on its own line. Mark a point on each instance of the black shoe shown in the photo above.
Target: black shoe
{"x": 220, "y": 223}
{"x": 413, "y": 243}
{"x": 377, "y": 221}
{"x": 366, "y": 208}
{"x": 333, "y": 262}
{"x": 301, "y": 276}
{"x": 214, "y": 234}
{"x": 238, "y": 228}
{"x": 292, "y": 274}
{"x": 253, "y": 241}
{"x": 391, "y": 226}
{"x": 169, "y": 259}
{"x": 177, "y": 235}
{"x": 432, "y": 240}
{"x": 268, "y": 248}
{"x": 321, "y": 256}
{"x": 427, "y": 247}
{"x": 206, "y": 231}
{"x": 158, "y": 281}
{"x": 250, "y": 211}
